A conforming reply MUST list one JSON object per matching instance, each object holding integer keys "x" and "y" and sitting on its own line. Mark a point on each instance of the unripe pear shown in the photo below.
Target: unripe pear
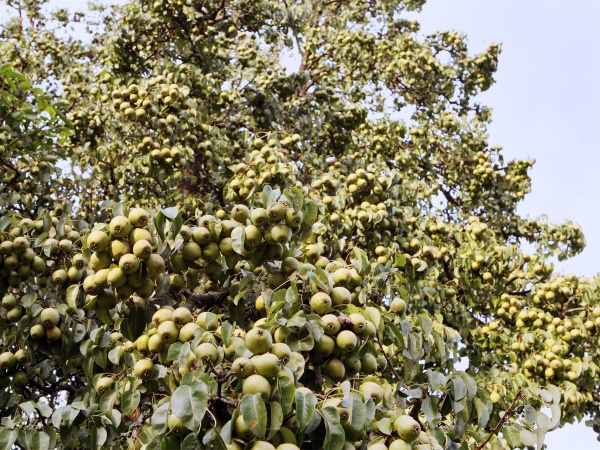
{"x": 143, "y": 369}
{"x": 242, "y": 367}
{"x": 129, "y": 264}
{"x": 155, "y": 265}
{"x": 181, "y": 316}
{"x": 257, "y": 384}
{"x": 331, "y": 324}
{"x": 407, "y": 428}
{"x": 259, "y": 341}
{"x": 168, "y": 332}
{"x": 120, "y": 227}
{"x": 142, "y": 249}
{"x": 340, "y": 296}
{"x": 188, "y": 332}
{"x": 98, "y": 241}
{"x": 49, "y": 317}
{"x": 138, "y": 217}
{"x": 267, "y": 365}
{"x": 334, "y": 369}
{"x": 53, "y": 334}
{"x": 321, "y": 303}
{"x": 347, "y": 341}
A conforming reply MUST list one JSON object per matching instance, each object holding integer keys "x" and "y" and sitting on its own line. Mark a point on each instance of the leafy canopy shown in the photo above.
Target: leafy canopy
{"x": 203, "y": 246}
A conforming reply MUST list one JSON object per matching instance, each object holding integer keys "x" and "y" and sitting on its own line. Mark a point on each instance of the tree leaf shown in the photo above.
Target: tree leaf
{"x": 254, "y": 413}
{"x": 335, "y": 436}
{"x": 305, "y": 408}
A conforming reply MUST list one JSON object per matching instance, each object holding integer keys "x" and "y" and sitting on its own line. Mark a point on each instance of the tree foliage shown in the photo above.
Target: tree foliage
{"x": 205, "y": 243}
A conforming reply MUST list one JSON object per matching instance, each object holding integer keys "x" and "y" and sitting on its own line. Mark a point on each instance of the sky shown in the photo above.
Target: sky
{"x": 545, "y": 106}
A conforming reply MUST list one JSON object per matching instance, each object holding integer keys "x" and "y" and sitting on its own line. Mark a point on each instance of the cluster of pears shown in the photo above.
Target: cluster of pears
{"x": 47, "y": 328}
{"x": 407, "y": 435}
{"x": 123, "y": 260}
{"x": 266, "y": 163}
{"x": 11, "y": 369}
{"x": 24, "y": 255}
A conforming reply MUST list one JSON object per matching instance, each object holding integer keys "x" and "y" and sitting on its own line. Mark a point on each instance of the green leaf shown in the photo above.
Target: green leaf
{"x": 190, "y": 442}
{"x": 358, "y": 412}
{"x": 170, "y": 213}
{"x": 107, "y": 401}
{"x": 527, "y": 438}
{"x": 135, "y": 323}
{"x": 254, "y": 413}
{"x": 159, "y": 419}
{"x": 286, "y": 390}
{"x": 7, "y": 438}
{"x": 190, "y": 402}
{"x": 459, "y": 389}
{"x": 130, "y": 401}
{"x": 72, "y": 295}
{"x": 334, "y": 436}
{"x": 305, "y": 408}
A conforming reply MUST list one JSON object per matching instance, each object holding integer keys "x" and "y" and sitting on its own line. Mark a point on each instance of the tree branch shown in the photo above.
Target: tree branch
{"x": 510, "y": 409}
{"x": 207, "y": 299}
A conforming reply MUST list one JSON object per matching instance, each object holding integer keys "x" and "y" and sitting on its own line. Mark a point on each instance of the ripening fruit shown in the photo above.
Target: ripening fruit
{"x": 176, "y": 425}
{"x": 191, "y": 251}
{"x": 371, "y": 389}
{"x": 103, "y": 384}
{"x": 155, "y": 343}
{"x": 398, "y": 305}
{"x": 143, "y": 369}
{"x": 331, "y": 324}
{"x": 53, "y": 334}
{"x": 129, "y": 264}
{"x": 168, "y": 332}
{"x": 282, "y": 351}
{"x": 14, "y": 314}
{"x": 240, "y": 213}
{"x": 320, "y": 303}
{"x": 281, "y": 233}
{"x": 276, "y": 212}
{"x": 377, "y": 446}
{"x": 407, "y": 428}
{"x": 188, "y": 332}
{"x": 19, "y": 379}
{"x": 242, "y": 367}
{"x": 49, "y": 317}
{"x": 358, "y": 322}
{"x": 262, "y": 445}
{"x": 335, "y": 369}
{"x": 181, "y": 316}
{"x": 267, "y": 365}
{"x": 340, "y": 296}
{"x": 37, "y": 331}
{"x": 207, "y": 352}
{"x": 342, "y": 276}
{"x": 162, "y": 315}
{"x": 138, "y": 217}
{"x": 8, "y": 362}
{"x": 155, "y": 265}
{"x": 399, "y": 444}
{"x": 346, "y": 340}
{"x": 120, "y": 227}
{"x": 495, "y": 397}
{"x": 257, "y": 384}
{"x": 98, "y": 241}
{"x": 259, "y": 341}
{"x": 142, "y": 249}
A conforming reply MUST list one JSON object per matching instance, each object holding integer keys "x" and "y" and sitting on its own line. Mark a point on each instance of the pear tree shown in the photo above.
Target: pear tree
{"x": 204, "y": 245}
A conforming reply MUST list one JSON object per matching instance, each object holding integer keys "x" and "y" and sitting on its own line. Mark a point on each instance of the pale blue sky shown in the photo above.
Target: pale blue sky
{"x": 545, "y": 106}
